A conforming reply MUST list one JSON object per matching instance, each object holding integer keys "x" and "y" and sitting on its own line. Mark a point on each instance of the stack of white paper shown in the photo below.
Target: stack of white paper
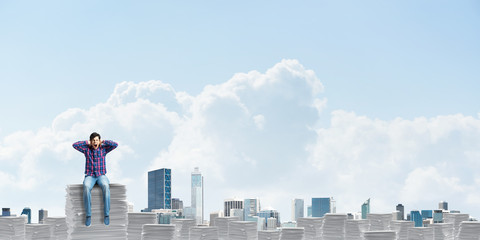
{"x": 469, "y": 230}
{"x": 136, "y": 222}
{"x": 354, "y": 229}
{"x": 38, "y": 232}
{"x": 313, "y": 227}
{"x": 203, "y": 233}
{"x": 401, "y": 228}
{"x": 242, "y": 230}
{"x": 379, "y": 221}
{"x": 58, "y": 227}
{"x": 292, "y": 233}
{"x": 182, "y": 227}
{"x": 442, "y": 231}
{"x": 456, "y": 219}
{"x": 75, "y": 212}
{"x": 380, "y": 235}
{"x": 334, "y": 226}
{"x": 269, "y": 235}
{"x": 12, "y": 228}
{"x": 158, "y": 232}
{"x": 222, "y": 224}
{"x": 420, "y": 233}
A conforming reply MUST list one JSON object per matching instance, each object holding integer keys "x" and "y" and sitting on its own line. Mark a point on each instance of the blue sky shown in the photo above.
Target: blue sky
{"x": 392, "y": 74}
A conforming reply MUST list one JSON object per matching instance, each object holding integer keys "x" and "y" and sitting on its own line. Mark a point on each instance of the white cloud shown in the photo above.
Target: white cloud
{"x": 417, "y": 162}
{"x": 255, "y": 135}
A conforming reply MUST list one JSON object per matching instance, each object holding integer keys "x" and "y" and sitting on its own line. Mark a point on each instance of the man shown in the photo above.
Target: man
{"x": 95, "y": 170}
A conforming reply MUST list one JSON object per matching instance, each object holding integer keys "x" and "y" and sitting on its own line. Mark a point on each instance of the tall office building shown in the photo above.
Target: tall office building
{"x": 365, "y": 209}
{"x": 443, "y": 205}
{"x": 401, "y": 212}
{"x": 438, "y": 216}
{"x": 270, "y": 213}
{"x": 231, "y": 204}
{"x": 321, "y": 206}
{"x": 298, "y": 209}
{"x": 42, "y": 214}
{"x": 177, "y": 203}
{"x": 427, "y": 214}
{"x": 5, "y": 212}
{"x": 251, "y": 208}
{"x": 416, "y": 217}
{"x": 197, "y": 195}
{"x": 160, "y": 189}
{"x": 28, "y": 212}
{"x": 309, "y": 211}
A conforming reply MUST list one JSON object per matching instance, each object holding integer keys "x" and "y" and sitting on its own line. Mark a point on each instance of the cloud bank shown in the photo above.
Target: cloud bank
{"x": 255, "y": 135}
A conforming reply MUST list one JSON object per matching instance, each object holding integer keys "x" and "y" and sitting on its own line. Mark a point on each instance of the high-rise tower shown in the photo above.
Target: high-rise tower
{"x": 160, "y": 189}
{"x": 443, "y": 205}
{"x": 298, "y": 209}
{"x": 365, "y": 209}
{"x": 42, "y": 214}
{"x": 251, "y": 208}
{"x": 197, "y": 195}
{"x": 401, "y": 211}
{"x": 320, "y": 206}
{"x": 229, "y": 204}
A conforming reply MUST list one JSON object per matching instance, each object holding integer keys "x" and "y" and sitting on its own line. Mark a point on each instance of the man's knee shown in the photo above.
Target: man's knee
{"x": 86, "y": 188}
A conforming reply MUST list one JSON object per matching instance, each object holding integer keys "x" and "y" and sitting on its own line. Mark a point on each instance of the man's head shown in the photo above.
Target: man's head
{"x": 95, "y": 140}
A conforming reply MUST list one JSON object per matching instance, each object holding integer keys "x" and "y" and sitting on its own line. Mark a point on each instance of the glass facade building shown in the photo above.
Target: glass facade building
{"x": 416, "y": 217}
{"x": 160, "y": 189}
{"x": 266, "y": 214}
{"x": 5, "y": 212}
{"x": 401, "y": 212}
{"x": 321, "y": 206}
{"x": 197, "y": 195}
{"x": 231, "y": 204}
{"x": 28, "y": 212}
{"x": 251, "y": 209}
{"x": 365, "y": 209}
{"x": 177, "y": 203}
{"x": 42, "y": 214}
{"x": 443, "y": 205}
{"x": 438, "y": 216}
{"x": 427, "y": 214}
{"x": 298, "y": 209}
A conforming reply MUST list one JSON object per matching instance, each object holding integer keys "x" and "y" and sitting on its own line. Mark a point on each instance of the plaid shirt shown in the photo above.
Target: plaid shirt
{"x": 95, "y": 158}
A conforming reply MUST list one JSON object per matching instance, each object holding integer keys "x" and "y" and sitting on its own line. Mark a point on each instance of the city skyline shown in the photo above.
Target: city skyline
{"x": 159, "y": 178}
{"x": 352, "y": 100}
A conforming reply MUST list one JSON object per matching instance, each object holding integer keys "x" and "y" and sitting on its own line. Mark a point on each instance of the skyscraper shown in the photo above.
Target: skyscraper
{"x": 298, "y": 209}
{"x": 27, "y": 211}
{"x": 197, "y": 195}
{"x": 416, "y": 217}
{"x": 437, "y": 216}
{"x": 160, "y": 189}
{"x": 365, "y": 209}
{"x": 443, "y": 205}
{"x": 251, "y": 208}
{"x": 427, "y": 214}
{"x": 177, "y": 203}
{"x": 401, "y": 209}
{"x": 320, "y": 206}
{"x": 5, "y": 212}
{"x": 270, "y": 213}
{"x": 42, "y": 214}
{"x": 231, "y": 204}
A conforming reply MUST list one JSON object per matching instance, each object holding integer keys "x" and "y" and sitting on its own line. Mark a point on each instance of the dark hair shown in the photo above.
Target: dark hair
{"x": 93, "y": 135}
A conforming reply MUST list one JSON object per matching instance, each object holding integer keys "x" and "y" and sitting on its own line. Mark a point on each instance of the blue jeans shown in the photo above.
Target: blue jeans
{"x": 88, "y": 184}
